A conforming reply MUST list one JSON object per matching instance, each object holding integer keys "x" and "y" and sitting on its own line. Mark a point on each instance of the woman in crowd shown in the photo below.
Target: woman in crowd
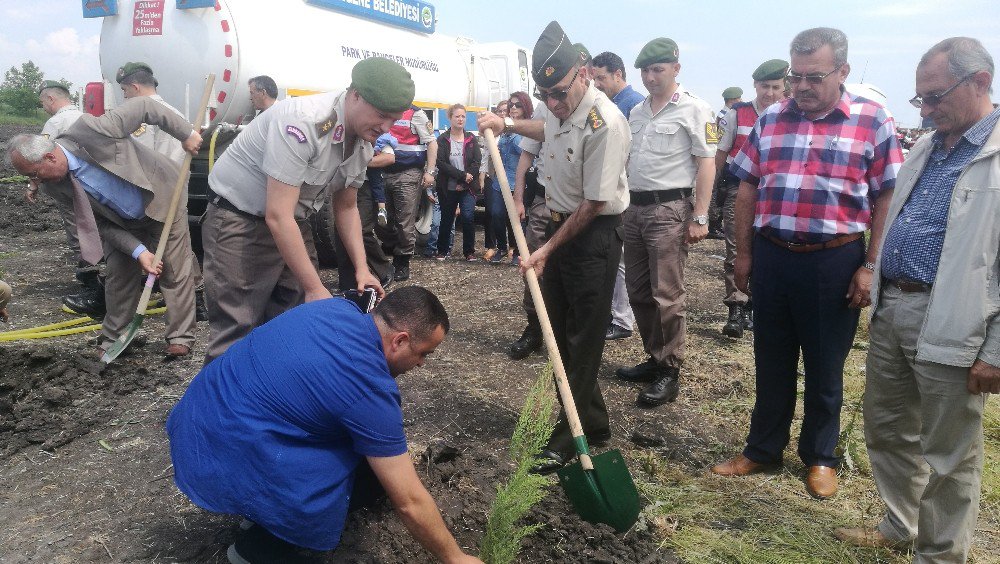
{"x": 518, "y": 107}
{"x": 458, "y": 163}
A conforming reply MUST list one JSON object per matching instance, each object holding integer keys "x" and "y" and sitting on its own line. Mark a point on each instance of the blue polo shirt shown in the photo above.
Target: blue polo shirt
{"x": 274, "y": 428}
{"x": 627, "y": 99}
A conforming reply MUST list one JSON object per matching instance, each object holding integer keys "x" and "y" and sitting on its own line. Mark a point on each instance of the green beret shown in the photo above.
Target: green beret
{"x": 583, "y": 51}
{"x": 553, "y": 57}
{"x": 384, "y": 84}
{"x": 129, "y": 68}
{"x": 52, "y": 84}
{"x": 732, "y": 92}
{"x": 659, "y": 50}
{"x": 775, "y": 69}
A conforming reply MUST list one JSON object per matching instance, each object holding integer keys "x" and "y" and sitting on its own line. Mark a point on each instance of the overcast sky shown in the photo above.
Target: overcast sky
{"x": 721, "y": 42}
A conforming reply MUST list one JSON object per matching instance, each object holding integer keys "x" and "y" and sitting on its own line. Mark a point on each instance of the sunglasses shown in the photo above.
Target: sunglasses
{"x": 814, "y": 79}
{"x": 918, "y": 101}
{"x": 517, "y": 105}
{"x": 558, "y": 95}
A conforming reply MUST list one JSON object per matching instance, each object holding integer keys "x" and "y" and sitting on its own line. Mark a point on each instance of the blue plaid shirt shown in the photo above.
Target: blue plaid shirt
{"x": 912, "y": 247}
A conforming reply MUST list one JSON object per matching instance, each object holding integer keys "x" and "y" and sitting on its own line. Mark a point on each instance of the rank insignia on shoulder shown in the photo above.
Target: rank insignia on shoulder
{"x": 296, "y": 133}
{"x": 594, "y": 119}
{"x": 324, "y": 127}
{"x": 675, "y": 97}
{"x": 712, "y": 134}
{"x": 140, "y": 131}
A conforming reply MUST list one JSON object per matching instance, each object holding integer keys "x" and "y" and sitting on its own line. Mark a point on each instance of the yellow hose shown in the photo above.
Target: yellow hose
{"x": 49, "y": 327}
{"x": 211, "y": 149}
{"x": 60, "y": 329}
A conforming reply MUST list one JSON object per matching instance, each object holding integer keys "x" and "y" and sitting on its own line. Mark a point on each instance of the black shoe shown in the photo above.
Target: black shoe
{"x": 547, "y": 462}
{"x": 530, "y": 341}
{"x": 643, "y": 372}
{"x": 734, "y": 326}
{"x": 599, "y": 439}
{"x": 200, "y": 310}
{"x": 663, "y": 390}
{"x": 402, "y": 266}
{"x": 615, "y": 332}
{"x": 256, "y": 545}
{"x": 88, "y": 302}
{"x": 748, "y": 316}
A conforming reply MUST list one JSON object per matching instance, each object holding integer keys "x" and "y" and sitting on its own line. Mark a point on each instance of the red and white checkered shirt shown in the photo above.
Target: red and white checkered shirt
{"x": 817, "y": 179}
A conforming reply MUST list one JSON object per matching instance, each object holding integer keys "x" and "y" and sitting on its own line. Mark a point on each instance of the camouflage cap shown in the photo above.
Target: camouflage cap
{"x": 129, "y": 68}
{"x": 732, "y": 92}
{"x": 659, "y": 50}
{"x": 775, "y": 69}
{"x": 53, "y": 84}
{"x": 384, "y": 84}
{"x": 553, "y": 57}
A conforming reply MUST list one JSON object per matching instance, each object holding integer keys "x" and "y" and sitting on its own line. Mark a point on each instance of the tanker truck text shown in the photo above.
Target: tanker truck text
{"x": 411, "y": 62}
{"x": 390, "y": 7}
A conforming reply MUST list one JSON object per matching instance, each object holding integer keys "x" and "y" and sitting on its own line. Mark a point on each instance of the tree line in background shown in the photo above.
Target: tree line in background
{"x": 19, "y": 90}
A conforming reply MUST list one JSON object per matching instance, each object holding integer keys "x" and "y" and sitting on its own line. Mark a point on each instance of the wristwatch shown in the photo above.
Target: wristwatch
{"x": 508, "y": 125}
{"x": 431, "y": 171}
{"x": 700, "y": 219}
{"x": 869, "y": 265}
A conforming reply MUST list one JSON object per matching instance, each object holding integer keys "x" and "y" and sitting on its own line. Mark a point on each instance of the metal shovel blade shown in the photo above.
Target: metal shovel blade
{"x": 606, "y": 494}
{"x": 123, "y": 340}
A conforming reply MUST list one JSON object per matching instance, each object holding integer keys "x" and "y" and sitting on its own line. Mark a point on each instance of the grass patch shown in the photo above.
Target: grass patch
{"x": 12, "y": 119}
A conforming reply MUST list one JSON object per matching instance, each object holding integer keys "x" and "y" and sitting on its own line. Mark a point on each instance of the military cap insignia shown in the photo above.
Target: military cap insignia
{"x": 712, "y": 134}
{"x": 549, "y": 71}
{"x": 296, "y": 133}
{"x": 140, "y": 131}
{"x": 594, "y": 119}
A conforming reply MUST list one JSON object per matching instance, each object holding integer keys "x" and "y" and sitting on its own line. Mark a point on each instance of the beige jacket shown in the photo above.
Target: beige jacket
{"x": 962, "y": 322}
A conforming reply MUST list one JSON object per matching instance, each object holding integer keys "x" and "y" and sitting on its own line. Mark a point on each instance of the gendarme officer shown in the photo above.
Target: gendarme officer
{"x": 586, "y": 145}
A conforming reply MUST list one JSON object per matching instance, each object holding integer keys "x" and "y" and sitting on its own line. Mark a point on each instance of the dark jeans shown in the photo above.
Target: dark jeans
{"x": 450, "y": 201}
{"x": 577, "y": 287}
{"x": 799, "y": 304}
{"x": 502, "y": 230}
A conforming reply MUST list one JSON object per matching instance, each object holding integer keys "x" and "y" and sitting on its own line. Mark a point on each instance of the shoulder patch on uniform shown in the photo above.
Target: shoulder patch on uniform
{"x": 326, "y": 126}
{"x": 723, "y": 122}
{"x": 712, "y": 134}
{"x": 295, "y": 132}
{"x": 594, "y": 119}
{"x": 338, "y": 133}
{"x": 140, "y": 131}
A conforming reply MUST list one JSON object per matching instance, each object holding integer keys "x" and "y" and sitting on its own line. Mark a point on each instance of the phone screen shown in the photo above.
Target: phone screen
{"x": 364, "y": 300}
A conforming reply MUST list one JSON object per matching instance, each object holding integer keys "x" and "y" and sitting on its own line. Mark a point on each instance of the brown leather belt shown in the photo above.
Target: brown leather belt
{"x": 838, "y": 241}
{"x": 908, "y": 285}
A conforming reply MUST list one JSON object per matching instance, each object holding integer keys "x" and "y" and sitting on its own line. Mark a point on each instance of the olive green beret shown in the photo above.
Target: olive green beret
{"x": 383, "y": 83}
{"x": 53, "y": 84}
{"x": 732, "y": 92}
{"x": 775, "y": 69}
{"x": 553, "y": 57}
{"x": 129, "y": 68}
{"x": 583, "y": 51}
{"x": 659, "y": 50}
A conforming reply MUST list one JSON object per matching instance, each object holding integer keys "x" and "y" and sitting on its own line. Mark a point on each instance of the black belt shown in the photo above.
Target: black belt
{"x": 838, "y": 241}
{"x": 658, "y": 196}
{"x": 908, "y": 285}
{"x": 226, "y": 204}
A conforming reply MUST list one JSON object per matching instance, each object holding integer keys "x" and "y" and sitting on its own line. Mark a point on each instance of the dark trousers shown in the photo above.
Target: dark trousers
{"x": 497, "y": 216}
{"x": 450, "y": 201}
{"x": 799, "y": 304}
{"x": 378, "y": 262}
{"x": 577, "y": 287}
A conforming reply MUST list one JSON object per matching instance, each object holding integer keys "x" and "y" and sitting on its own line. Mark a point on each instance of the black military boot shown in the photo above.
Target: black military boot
{"x": 200, "y": 309}
{"x": 642, "y": 372}
{"x": 90, "y": 301}
{"x": 530, "y": 341}
{"x": 402, "y": 265}
{"x": 664, "y": 389}
{"x": 748, "y": 316}
{"x": 734, "y": 326}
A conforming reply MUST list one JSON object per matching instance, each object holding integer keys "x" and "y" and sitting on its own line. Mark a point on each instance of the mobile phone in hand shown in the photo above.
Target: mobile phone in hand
{"x": 364, "y": 300}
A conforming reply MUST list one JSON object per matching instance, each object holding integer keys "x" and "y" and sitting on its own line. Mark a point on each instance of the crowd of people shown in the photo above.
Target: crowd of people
{"x": 296, "y": 415}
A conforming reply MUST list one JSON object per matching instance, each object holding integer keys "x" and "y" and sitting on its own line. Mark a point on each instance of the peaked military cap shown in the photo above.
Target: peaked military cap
{"x": 53, "y": 84}
{"x": 775, "y": 69}
{"x": 129, "y": 68}
{"x": 384, "y": 84}
{"x": 659, "y": 50}
{"x": 553, "y": 57}
{"x": 583, "y": 51}
{"x": 732, "y": 92}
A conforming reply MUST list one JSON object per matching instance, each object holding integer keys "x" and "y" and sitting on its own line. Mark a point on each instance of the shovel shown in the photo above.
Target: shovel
{"x": 599, "y": 487}
{"x": 130, "y": 332}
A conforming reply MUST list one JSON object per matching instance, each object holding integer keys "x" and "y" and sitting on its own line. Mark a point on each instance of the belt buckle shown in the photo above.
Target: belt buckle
{"x": 555, "y": 216}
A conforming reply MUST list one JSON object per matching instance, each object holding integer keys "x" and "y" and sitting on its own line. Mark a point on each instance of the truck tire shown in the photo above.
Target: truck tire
{"x": 324, "y": 234}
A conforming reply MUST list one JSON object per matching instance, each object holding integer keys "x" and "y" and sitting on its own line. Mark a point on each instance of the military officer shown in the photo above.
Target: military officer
{"x": 674, "y": 135}
{"x": 586, "y": 145}
{"x": 768, "y": 84}
{"x": 259, "y": 252}
{"x": 730, "y": 97}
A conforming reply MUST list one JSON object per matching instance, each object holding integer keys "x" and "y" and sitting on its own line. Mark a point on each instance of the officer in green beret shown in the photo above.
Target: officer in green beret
{"x": 730, "y": 96}
{"x": 260, "y": 259}
{"x": 586, "y": 140}
{"x": 769, "y": 85}
{"x": 673, "y": 143}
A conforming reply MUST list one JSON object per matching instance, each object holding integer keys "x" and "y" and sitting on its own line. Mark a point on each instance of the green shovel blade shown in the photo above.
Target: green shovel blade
{"x": 606, "y": 494}
{"x": 124, "y": 339}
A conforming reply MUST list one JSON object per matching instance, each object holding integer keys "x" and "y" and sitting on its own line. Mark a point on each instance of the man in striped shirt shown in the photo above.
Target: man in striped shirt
{"x": 816, "y": 172}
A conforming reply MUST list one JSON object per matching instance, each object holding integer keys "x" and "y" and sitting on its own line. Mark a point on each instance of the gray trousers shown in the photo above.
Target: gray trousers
{"x": 247, "y": 282}
{"x": 535, "y": 235}
{"x": 402, "y": 200}
{"x": 656, "y": 250}
{"x": 924, "y": 432}
{"x": 621, "y": 311}
{"x": 122, "y": 289}
{"x": 733, "y": 295}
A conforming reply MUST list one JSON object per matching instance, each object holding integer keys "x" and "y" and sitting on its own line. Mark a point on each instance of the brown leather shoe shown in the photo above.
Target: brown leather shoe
{"x": 867, "y": 538}
{"x": 821, "y": 481}
{"x": 740, "y": 466}
{"x": 175, "y": 350}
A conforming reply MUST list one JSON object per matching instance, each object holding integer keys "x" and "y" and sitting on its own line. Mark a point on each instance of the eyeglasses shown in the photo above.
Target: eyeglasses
{"x": 558, "y": 95}
{"x": 918, "y": 101}
{"x": 517, "y": 105}
{"x": 795, "y": 78}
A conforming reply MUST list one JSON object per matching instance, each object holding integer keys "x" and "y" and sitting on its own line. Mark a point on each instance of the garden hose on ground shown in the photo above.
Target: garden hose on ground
{"x": 60, "y": 329}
